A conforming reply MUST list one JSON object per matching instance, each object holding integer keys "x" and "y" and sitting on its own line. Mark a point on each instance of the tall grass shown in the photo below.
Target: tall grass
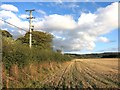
{"x": 30, "y": 76}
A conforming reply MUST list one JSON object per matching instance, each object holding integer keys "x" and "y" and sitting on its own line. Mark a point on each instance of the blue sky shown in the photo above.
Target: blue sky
{"x": 60, "y": 8}
{"x": 80, "y": 27}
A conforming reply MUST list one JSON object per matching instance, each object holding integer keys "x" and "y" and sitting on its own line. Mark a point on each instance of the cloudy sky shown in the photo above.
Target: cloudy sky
{"x": 78, "y": 27}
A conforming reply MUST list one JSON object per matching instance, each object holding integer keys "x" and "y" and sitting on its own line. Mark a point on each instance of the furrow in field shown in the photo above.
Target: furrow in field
{"x": 84, "y": 74}
{"x": 110, "y": 74}
{"x": 99, "y": 78}
{"x": 88, "y": 78}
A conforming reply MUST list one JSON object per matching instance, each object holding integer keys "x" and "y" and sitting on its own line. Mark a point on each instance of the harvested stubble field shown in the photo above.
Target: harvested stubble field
{"x": 78, "y": 73}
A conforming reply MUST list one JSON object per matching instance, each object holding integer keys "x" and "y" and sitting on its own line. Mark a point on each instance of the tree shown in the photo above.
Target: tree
{"x": 41, "y": 39}
{"x": 5, "y": 33}
{"x": 59, "y": 51}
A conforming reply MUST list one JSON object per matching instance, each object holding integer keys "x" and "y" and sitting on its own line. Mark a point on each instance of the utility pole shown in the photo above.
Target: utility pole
{"x": 30, "y": 26}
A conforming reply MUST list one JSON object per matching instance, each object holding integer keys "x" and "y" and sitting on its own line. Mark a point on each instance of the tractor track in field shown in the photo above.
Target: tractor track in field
{"x": 95, "y": 79}
{"x": 82, "y": 74}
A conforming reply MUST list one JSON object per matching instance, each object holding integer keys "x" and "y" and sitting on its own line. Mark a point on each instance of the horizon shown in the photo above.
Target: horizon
{"x": 93, "y": 52}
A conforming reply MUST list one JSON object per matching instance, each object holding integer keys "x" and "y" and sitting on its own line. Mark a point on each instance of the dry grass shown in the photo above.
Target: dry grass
{"x": 30, "y": 75}
{"x": 81, "y": 73}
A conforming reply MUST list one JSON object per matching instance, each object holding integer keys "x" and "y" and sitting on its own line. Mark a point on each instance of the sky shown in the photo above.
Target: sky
{"x": 78, "y": 27}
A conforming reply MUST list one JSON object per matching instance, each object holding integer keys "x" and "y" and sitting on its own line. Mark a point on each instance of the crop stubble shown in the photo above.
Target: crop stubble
{"x": 85, "y": 73}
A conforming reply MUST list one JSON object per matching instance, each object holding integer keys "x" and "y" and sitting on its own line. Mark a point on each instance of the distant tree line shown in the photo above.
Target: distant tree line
{"x": 97, "y": 55}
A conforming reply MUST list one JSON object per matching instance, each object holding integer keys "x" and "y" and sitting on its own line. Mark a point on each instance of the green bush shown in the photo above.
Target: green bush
{"x": 14, "y": 52}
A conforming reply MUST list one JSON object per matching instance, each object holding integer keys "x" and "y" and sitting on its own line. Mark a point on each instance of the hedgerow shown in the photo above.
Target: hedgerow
{"x": 14, "y": 52}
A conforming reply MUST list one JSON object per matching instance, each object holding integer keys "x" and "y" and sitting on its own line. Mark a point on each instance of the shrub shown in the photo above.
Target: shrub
{"x": 14, "y": 52}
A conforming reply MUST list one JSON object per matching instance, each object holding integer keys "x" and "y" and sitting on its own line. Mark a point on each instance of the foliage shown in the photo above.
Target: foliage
{"x": 41, "y": 39}
{"x": 5, "y": 33}
{"x": 15, "y": 52}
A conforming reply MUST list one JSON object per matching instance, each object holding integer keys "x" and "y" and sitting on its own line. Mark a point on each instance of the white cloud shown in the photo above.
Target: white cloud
{"x": 41, "y": 12}
{"x": 9, "y": 7}
{"x": 1, "y": 23}
{"x": 71, "y": 34}
{"x": 72, "y": 5}
{"x": 103, "y": 39}
{"x": 82, "y": 34}
{"x": 59, "y": 1}
{"x": 12, "y": 18}
{"x": 90, "y": 26}
{"x": 88, "y": 18}
{"x": 23, "y": 16}
{"x": 6, "y": 14}
{"x": 69, "y": 5}
{"x": 59, "y": 22}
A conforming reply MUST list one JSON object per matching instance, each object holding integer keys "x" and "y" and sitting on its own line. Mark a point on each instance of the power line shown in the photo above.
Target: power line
{"x": 13, "y": 25}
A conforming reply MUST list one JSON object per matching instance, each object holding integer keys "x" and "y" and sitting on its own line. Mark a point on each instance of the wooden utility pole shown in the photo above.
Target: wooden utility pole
{"x": 30, "y": 25}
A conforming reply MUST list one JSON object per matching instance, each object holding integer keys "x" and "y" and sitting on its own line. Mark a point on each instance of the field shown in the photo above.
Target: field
{"x": 78, "y": 73}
